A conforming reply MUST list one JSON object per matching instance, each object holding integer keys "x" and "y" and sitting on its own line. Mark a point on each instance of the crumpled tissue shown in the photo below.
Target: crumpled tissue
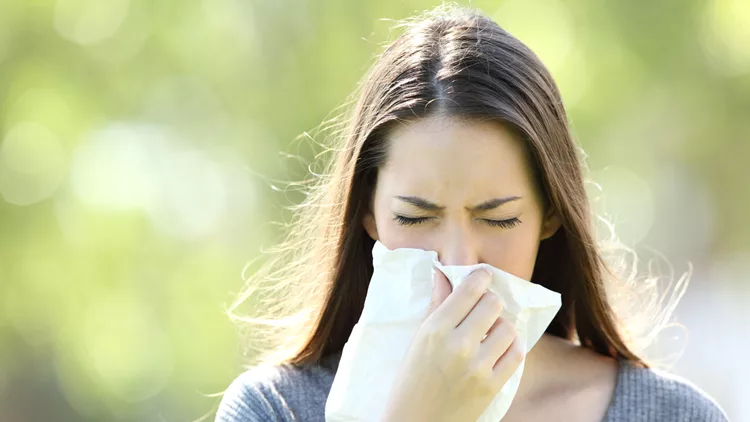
{"x": 396, "y": 304}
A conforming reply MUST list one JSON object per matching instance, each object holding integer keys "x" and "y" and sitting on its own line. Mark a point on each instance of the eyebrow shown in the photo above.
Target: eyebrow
{"x": 431, "y": 206}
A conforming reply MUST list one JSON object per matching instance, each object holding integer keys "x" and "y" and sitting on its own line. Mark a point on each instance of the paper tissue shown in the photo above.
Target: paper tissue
{"x": 396, "y": 304}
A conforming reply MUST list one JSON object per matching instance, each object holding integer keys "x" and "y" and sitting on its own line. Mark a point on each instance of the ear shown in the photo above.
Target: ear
{"x": 370, "y": 227}
{"x": 550, "y": 225}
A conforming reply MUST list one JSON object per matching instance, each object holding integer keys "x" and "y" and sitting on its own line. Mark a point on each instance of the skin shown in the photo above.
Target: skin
{"x": 465, "y": 190}
{"x": 460, "y": 166}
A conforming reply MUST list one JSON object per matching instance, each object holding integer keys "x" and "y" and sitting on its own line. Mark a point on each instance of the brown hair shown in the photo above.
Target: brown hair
{"x": 452, "y": 61}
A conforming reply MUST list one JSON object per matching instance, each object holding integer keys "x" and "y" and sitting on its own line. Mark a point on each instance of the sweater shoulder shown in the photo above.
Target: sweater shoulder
{"x": 277, "y": 392}
{"x": 650, "y": 394}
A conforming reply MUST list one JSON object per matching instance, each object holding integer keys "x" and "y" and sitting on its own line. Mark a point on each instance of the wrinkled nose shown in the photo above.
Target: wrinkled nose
{"x": 457, "y": 246}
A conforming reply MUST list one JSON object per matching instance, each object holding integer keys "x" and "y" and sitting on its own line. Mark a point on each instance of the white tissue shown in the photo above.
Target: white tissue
{"x": 396, "y": 304}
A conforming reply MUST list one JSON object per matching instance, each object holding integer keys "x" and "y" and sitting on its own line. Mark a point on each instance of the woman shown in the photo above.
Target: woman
{"x": 458, "y": 143}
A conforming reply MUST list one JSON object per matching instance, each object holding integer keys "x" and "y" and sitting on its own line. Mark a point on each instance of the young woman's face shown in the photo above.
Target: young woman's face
{"x": 463, "y": 189}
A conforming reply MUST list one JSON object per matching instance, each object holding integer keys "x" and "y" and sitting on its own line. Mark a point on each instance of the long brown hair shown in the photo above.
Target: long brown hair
{"x": 450, "y": 61}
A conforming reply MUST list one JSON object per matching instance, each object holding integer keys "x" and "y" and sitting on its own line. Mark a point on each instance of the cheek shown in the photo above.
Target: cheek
{"x": 514, "y": 251}
{"x": 394, "y": 235}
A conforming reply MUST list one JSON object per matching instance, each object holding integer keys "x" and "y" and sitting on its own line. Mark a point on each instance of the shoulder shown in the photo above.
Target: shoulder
{"x": 277, "y": 392}
{"x": 649, "y": 394}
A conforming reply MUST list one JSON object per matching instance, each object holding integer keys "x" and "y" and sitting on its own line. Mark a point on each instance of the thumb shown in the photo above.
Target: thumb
{"x": 441, "y": 288}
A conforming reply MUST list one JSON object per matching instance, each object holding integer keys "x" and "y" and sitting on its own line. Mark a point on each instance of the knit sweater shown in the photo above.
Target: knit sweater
{"x": 286, "y": 393}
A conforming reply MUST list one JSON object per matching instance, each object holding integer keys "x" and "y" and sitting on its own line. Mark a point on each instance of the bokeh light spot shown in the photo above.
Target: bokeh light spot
{"x": 88, "y": 22}
{"x": 32, "y": 164}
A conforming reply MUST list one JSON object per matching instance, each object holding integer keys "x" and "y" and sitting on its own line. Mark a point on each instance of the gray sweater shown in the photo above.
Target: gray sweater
{"x": 286, "y": 393}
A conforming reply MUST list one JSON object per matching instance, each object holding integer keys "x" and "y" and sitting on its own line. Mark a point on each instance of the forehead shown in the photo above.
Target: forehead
{"x": 436, "y": 156}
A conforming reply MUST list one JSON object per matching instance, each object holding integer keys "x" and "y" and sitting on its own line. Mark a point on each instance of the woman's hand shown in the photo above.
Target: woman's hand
{"x": 452, "y": 371}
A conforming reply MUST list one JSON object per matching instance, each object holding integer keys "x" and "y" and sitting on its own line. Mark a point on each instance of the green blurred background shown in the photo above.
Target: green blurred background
{"x": 138, "y": 141}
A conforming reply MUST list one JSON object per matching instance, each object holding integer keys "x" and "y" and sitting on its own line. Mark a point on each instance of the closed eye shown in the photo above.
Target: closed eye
{"x": 410, "y": 221}
{"x": 506, "y": 224}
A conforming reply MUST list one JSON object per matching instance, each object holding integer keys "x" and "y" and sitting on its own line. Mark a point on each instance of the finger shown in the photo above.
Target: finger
{"x": 459, "y": 303}
{"x": 497, "y": 342}
{"x": 482, "y": 317}
{"x": 494, "y": 326}
{"x": 510, "y": 361}
{"x": 441, "y": 289}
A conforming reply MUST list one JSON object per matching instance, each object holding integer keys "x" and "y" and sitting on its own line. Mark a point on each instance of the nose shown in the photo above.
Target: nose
{"x": 458, "y": 246}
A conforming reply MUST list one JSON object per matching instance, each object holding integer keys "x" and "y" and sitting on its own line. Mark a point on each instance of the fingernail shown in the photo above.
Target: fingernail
{"x": 485, "y": 274}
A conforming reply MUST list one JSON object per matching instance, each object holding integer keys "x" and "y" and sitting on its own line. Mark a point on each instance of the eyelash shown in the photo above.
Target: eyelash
{"x": 410, "y": 221}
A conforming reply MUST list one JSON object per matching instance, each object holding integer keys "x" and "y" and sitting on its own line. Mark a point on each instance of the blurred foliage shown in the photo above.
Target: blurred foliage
{"x": 138, "y": 138}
